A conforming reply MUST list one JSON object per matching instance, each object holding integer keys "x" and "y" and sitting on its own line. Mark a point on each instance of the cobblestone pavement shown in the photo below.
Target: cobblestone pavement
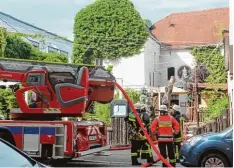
{"x": 108, "y": 159}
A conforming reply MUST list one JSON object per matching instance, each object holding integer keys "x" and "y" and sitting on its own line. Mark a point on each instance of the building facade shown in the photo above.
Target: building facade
{"x": 178, "y": 33}
{"x": 137, "y": 71}
{"x": 49, "y": 42}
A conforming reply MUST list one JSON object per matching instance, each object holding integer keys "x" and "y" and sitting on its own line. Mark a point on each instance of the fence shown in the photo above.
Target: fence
{"x": 117, "y": 134}
{"x": 215, "y": 125}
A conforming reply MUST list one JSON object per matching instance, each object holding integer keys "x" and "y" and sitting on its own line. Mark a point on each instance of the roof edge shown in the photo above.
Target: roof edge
{"x": 192, "y": 11}
{"x": 53, "y": 34}
{"x": 188, "y": 46}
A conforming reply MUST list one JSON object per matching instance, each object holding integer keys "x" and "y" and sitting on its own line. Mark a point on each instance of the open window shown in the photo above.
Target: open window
{"x": 170, "y": 72}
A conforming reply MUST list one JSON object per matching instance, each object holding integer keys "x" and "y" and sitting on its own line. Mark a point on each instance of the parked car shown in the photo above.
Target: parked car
{"x": 10, "y": 156}
{"x": 6, "y": 134}
{"x": 208, "y": 150}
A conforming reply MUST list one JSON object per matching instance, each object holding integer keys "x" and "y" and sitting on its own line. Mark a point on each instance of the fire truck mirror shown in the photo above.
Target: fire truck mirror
{"x": 119, "y": 108}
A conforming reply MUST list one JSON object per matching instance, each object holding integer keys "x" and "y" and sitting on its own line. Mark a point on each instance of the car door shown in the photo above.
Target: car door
{"x": 229, "y": 150}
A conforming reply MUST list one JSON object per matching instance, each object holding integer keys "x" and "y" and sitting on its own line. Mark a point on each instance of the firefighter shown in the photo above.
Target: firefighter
{"x": 164, "y": 127}
{"x": 178, "y": 139}
{"x": 146, "y": 152}
{"x": 136, "y": 136}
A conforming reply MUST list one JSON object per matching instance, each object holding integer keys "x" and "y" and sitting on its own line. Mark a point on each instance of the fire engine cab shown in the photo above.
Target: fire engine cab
{"x": 57, "y": 91}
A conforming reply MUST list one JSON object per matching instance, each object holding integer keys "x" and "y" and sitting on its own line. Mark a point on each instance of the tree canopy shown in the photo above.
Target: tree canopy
{"x": 108, "y": 29}
{"x": 211, "y": 57}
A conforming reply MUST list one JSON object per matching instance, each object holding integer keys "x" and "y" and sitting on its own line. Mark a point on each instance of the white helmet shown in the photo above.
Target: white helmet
{"x": 163, "y": 108}
{"x": 137, "y": 106}
{"x": 176, "y": 107}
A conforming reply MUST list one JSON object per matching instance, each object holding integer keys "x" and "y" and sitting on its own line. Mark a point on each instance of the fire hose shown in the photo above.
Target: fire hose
{"x": 160, "y": 157}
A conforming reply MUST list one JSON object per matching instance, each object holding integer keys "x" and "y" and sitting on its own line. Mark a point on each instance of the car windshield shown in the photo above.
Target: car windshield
{"x": 10, "y": 157}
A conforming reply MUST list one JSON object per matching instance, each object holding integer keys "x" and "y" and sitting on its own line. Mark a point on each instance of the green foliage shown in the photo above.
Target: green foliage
{"x": 110, "y": 68}
{"x": 14, "y": 47}
{"x": 7, "y": 101}
{"x": 108, "y": 29}
{"x": 216, "y": 107}
{"x": 133, "y": 95}
{"x": 214, "y": 62}
{"x": 17, "y": 48}
{"x": 102, "y": 111}
{"x": 47, "y": 57}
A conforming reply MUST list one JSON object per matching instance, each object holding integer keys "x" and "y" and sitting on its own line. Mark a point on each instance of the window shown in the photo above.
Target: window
{"x": 34, "y": 43}
{"x": 52, "y": 49}
{"x": 63, "y": 52}
{"x": 61, "y": 77}
{"x": 170, "y": 72}
{"x": 10, "y": 157}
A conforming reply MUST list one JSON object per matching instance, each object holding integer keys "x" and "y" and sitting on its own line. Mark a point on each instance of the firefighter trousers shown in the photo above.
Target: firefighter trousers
{"x": 135, "y": 151}
{"x": 177, "y": 146}
{"x": 146, "y": 152}
{"x": 167, "y": 148}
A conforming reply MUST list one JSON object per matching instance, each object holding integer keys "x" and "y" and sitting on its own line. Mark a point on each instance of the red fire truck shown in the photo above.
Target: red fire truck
{"x": 57, "y": 91}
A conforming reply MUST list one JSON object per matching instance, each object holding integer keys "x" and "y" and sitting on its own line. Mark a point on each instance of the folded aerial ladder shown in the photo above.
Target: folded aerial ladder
{"x": 59, "y": 90}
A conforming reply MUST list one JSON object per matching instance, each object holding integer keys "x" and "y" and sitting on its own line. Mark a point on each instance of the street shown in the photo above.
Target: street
{"x": 120, "y": 158}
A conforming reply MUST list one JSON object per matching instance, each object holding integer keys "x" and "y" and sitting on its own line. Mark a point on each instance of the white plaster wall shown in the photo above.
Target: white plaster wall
{"x": 129, "y": 71}
{"x": 134, "y": 72}
{"x": 173, "y": 58}
{"x": 151, "y": 52}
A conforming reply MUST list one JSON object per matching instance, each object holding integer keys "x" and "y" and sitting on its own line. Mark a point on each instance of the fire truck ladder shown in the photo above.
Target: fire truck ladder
{"x": 160, "y": 157}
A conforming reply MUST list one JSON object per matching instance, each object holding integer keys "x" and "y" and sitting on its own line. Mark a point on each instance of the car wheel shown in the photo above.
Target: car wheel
{"x": 214, "y": 160}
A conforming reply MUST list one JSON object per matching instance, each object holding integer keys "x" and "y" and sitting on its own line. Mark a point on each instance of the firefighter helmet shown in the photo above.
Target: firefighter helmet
{"x": 137, "y": 106}
{"x": 176, "y": 107}
{"x": 163, "y": 108}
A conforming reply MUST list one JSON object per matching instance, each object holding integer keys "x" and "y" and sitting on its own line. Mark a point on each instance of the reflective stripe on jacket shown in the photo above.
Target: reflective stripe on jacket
{"x": 165, "y": 126}
{"x": 180, "y": 136}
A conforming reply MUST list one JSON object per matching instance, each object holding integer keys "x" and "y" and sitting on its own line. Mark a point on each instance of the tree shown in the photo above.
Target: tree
{"x": 7, "y": 101}
{"x": 17, "y": 48}
{"x": 108, "y": 29}
{"x": 212, "y": 59}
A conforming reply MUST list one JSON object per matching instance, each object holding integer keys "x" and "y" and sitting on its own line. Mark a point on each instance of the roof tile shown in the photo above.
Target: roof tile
{"x": 192, "y": 28}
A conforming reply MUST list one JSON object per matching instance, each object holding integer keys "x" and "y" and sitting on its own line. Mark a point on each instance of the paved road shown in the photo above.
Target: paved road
{"x": 109, "y": 159}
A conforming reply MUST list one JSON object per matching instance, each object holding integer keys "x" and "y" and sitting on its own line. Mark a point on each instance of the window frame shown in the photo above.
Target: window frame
{"x": 35, "y": 44}
{"x": 54, "y": 50}
{"x": 63, "y": 52}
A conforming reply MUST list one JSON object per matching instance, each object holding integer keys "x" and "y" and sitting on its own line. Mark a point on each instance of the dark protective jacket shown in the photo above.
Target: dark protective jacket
{"x": 135, "y": 130}
{"x": 180, "y": 136}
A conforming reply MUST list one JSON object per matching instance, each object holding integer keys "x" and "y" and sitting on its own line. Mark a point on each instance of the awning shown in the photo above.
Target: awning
{"x": 175, "y": 90}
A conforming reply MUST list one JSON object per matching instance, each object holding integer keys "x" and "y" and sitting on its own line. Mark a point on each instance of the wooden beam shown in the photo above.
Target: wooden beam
{"x": 212, "y": 86}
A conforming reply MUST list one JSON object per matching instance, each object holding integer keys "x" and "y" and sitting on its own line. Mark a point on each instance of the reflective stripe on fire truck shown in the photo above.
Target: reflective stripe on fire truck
{"x": 92, "y": 130}
{"x": 52, "y": 110}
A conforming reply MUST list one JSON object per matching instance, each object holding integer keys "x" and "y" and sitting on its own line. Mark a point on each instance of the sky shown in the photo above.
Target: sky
{"x": 57, "y": 16}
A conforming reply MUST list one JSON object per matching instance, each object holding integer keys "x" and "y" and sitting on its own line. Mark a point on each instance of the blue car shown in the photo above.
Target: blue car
{"x": 208, "y": 150}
